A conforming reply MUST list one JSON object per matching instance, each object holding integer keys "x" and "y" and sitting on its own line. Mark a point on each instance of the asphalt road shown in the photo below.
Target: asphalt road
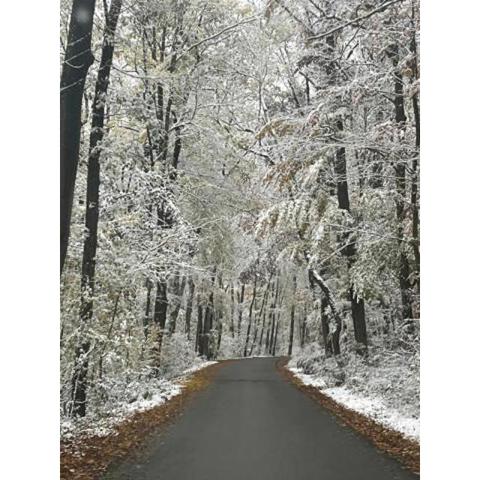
{"x": 251, "y": 424}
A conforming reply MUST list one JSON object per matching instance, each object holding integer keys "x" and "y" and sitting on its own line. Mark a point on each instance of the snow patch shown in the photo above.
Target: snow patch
{"x": 370, "y": 406}
{"x": 103, "y": 423}
{"x": 199, "y": 366}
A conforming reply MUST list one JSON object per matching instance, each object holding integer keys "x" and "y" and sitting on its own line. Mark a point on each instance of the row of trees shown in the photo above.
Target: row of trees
{"x": 246, "y": 182}
{"x": 347, "y": 164}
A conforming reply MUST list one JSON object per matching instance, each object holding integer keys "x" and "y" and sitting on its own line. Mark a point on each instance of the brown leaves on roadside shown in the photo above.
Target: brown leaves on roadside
{"x": 406, "y": 451}
{"x": 87, "y": 458}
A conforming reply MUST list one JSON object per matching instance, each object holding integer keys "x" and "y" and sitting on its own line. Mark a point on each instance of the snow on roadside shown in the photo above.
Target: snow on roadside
{"x": 371, "y": 406}
{"x": 198, "y": 366}
{"x": 103, "y": 425}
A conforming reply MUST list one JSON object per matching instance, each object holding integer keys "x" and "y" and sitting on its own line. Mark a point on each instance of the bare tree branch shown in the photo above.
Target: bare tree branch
{"x": 381, "y": 8}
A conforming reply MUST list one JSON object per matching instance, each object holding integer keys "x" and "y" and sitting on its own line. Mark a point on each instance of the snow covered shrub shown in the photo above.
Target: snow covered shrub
{"x": 231, "y": 347}
{"x": 310, "y": 358}
{"x": 178, "y": 355}
{"x": 312, "y": 361}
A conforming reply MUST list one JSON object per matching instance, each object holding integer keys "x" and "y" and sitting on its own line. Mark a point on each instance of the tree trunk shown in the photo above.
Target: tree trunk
{"x": 250, "y": 316}
{"x": 240, "y": 307}
{"x": 259, "y": 316}
{"x": 292, "y": 317}
{"x": 303, "y": 330}
{"x": 188, "y": 309}
{"x": 400, "y": 170}
{"x": 208, "y": 346}
{"x": 92, "y": 210}
{"x": 207, "y": 328}
{"x": 275, "y": 340}
{"x": 267, "y": 336}
{"x": 260, "y": 343}
{"x": 340, "y": 167}
{"x": 271, "y": 324}
{"x": 272, "y": 334}
{"x": 349, "y": 251}
{"x": 78, "y": 59}
{"x": 219, "y": 341}
{"x": 334, "y": 337}
{"x": 232, "y": 300}
{"x": 160, "y": 317}
{"x": 325, "y": 327}
{"x": 146, "y": 319}
{"x": 414, "y": 192}
{"x": 198, "y": 337}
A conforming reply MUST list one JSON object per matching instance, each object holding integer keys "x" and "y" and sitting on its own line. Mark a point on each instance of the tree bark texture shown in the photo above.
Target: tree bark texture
{"x": 78, "y": 59}
{"x": 92, "y": 207}
{"x": 292, "y": 317}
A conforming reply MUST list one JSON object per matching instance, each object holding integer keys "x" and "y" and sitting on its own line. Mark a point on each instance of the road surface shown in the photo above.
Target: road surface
{"x": 251, "y": 424}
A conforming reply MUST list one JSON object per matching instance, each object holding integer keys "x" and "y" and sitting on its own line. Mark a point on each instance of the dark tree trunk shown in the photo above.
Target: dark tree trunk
{"x": 264, "y": 317}
{"x": 232, "y": 319}
{"x": 78, "y": 59}
{"x": 250, "y": 314}
{"x": 260, "y": 343}
{"x": 349, "y": 251}
{"x": 160, "y": 317}
{"x": 259, "y": 316}
{"x": 271, "y": 313}
{"x": 272, "y": 334}
{"x": 325, "y": 328}
{"x": 275, "y": 340}
{"x": 188, "y": 308}
{"x": 146, "y": 319}
{"x": 414, "y": 191}
{"x": 414, "y": 198}
{"x": 267, "y": 336}
{"x": 198, "y": 337}
{"x": 341, "y": 174}
{"x": 256, "y": 319}
{"x": 206, "y": 338}
{"x": 207, "y": 328}
{"x": 334, "y": 337}
{"x": 219, "y": 341}
{"x": 92, "y": 211}
{"x": 269, "y": 345}
{"x": 340, "y": 166}
{"x": 292, "y": 317}
{"x": 359, "y": 325}
{"x": 303, "y": 331}
{"x": 240, "y": 307}
{"x": 177, "y": 147}
{"x": 400, "y": 170}
{"x": 273, "y": 331}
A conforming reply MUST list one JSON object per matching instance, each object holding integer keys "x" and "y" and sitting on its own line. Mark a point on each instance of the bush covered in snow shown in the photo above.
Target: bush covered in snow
{"x": 114, "y": 397}
{"x": 178, "y": 354}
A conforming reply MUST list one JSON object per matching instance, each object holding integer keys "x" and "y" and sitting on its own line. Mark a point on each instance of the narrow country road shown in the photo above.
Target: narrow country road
{"x": 251, "y": 424}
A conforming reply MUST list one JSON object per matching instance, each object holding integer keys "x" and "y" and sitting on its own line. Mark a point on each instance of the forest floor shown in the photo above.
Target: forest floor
{"x": 85, "y": 454}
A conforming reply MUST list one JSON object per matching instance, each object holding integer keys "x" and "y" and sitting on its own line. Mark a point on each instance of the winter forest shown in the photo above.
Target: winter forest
{"x": 239, "y": 179}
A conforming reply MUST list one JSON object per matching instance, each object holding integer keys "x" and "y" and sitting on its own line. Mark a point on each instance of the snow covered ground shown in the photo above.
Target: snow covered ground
{"x": 141, "y": 396}
{"x": 385, "y": 388}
